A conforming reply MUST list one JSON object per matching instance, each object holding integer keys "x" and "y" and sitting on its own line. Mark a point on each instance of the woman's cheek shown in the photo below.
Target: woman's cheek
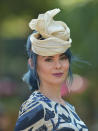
{"x": 66, "y": 65}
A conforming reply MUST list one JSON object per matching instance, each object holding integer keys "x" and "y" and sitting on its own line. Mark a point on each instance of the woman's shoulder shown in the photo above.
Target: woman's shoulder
{"x": 31, "y": 112}
{"x": 31, "y": 104}
{"x": 72, "y": 108}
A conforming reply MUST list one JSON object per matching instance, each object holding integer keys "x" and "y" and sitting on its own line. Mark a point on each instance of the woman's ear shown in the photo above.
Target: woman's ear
{"x": 30, "y": 62}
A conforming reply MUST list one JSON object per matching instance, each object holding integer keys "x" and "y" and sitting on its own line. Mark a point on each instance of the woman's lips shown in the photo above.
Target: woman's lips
{"x": 58, "y": 74}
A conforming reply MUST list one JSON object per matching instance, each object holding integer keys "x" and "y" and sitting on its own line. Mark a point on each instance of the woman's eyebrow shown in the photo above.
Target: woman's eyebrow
{"x": 53, "y": 56}
{"x": 48, "y": 56}
{"x": 62, "y": 55}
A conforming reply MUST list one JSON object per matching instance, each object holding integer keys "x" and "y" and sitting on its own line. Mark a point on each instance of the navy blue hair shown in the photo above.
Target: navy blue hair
{"x": 31, "y": 77}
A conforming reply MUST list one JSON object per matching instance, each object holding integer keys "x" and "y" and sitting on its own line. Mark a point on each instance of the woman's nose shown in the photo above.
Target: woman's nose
{"x": 57, "y": 64}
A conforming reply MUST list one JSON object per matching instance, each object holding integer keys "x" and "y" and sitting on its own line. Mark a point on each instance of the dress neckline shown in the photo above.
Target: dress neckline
{"x": 65, "y": 102}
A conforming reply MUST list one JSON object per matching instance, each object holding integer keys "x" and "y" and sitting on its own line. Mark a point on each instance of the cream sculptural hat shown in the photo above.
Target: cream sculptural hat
{"x": 56, "y": 34}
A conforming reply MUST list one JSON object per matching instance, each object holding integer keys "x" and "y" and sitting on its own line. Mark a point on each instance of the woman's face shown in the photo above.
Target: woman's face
{"x": 52, "y": 69}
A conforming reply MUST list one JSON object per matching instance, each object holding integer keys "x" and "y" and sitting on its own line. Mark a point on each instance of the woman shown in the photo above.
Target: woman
{"x": 49, "y": 66}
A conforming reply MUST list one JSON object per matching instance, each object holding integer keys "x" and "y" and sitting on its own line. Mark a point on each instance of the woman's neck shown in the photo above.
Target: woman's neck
{"x": 52, "y": 92}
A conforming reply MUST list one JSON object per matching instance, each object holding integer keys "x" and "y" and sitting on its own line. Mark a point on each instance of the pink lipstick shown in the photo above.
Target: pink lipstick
{"x": 58, "y": 74}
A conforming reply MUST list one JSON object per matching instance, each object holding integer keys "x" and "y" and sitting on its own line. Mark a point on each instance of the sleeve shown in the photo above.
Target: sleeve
{"x": 31, "y": 119}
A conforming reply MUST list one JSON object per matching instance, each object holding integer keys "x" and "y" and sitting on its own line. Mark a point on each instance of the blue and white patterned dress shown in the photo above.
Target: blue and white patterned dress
{"x": 39, "y": 113}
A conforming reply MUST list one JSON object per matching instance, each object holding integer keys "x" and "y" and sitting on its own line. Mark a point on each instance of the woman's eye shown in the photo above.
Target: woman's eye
{"x": 48, "y": 60}
{"x": 63, "y": 58}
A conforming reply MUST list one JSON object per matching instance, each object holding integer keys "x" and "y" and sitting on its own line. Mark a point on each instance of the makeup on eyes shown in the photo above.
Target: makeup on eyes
{"x": 50, "y": 58}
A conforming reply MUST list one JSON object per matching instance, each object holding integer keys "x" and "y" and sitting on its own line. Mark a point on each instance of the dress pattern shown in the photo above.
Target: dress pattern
{"x": 39, "y": 113}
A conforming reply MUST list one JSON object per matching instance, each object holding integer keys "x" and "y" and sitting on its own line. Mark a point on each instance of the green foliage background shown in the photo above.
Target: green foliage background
{"x": 82, "y": 18}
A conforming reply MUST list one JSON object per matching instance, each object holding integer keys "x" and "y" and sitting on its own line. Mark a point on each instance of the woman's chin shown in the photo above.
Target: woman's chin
{"x": 58, "y": 82}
